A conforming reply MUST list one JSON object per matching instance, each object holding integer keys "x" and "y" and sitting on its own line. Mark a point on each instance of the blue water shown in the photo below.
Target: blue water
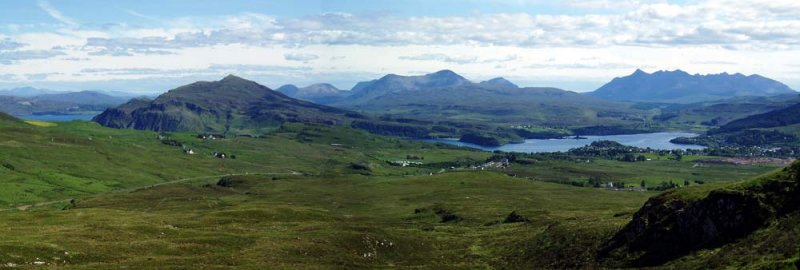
{"x": 658, "y": 141}
{"x": 57, "y": 117}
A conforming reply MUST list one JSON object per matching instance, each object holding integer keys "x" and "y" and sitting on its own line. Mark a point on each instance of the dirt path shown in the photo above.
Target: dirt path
{"x": 182, "y": 180}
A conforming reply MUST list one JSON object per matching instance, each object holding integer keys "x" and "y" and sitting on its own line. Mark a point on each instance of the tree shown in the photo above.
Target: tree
{"x": 641, "y": 158}
{"x": 643, "y": 184}
{"x": 685, "y": 183}
{"x": 629, "y": 158}
{"x": 595, "y": 181}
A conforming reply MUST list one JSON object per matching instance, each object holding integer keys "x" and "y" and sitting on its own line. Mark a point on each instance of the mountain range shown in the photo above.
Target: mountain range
{"x": 26, "y": 92}
{"x": 85, "y": 97}
{"x": 446, "y": 95}
{"x": 26, "y": 101}
{"x": 681, "y": 87}
{"x": 321, "y": 93}
{"x": 238, "y": 106}
{"x": 442, "y": 103}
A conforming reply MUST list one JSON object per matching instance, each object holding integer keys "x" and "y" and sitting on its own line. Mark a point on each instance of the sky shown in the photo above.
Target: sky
{"x": 149, "y": 47}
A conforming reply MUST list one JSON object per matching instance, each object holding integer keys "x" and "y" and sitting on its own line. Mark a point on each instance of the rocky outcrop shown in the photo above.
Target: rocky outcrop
{"x": 670, "y": 225}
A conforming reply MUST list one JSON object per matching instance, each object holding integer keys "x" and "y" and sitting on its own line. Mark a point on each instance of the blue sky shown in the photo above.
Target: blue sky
{"x": 100, "y": 12}
{"x": 152, "y": 46}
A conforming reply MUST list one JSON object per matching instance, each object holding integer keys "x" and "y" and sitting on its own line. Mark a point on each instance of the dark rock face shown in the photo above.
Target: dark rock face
{"x": 666, "y": 228}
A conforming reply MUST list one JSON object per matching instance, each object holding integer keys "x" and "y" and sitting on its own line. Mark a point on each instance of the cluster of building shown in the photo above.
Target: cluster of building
{"x": 497, "y": 164}
{"x": 210, "y": 136}
{"x": 405, "y": 163}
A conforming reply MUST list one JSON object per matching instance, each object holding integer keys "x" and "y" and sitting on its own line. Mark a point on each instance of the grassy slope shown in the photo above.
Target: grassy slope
{"x": 300, "y": 222}
{"x": 80, "y": 158}
{"x": 330, "y": 217}
{"x": 632, "y": 173}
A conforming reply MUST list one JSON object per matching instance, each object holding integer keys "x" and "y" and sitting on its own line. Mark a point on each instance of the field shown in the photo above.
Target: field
{"x": 81, "y": 158}
{"x": 303, "y": 197}
{"x": 651, "y": 172}
{"x": 299, "y": 222}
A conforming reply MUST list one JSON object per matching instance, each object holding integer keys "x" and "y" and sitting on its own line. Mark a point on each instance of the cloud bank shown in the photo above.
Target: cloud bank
{"x": 704, "y": 36}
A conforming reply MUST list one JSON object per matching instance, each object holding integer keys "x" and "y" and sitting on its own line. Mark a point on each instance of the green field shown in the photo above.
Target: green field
{"x": 633, "y": 173}
{"x": 299, "y": 222}
{"x": 303, "y": 197}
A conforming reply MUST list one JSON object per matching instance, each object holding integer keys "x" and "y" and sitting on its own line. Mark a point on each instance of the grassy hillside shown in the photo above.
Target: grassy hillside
{"x": 311, "y": 223}
{"x": 775, "y": 128}
{"x": 702, "y": 116}
{"x": 776, "y": 118}
{"x": 304, "y": 196}
{"x": 748, "y": 219}
{"x": 49, "y": 162}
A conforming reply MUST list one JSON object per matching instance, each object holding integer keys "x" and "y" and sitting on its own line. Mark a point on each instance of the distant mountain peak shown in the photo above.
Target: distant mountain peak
{"x": 442, "y": 78}
{"x": 321, "y": 93}
{"x": 392, "y": 84}
{"x": 445, "y": 72}
{"x": 289, "y": 90}
{"x": 500, "y": 81}
{"x": 232, "y": 104}
{"x": 323, "y": 85}
{"x": 232, "y": 77}
{"x": 668, "y": 73}
{"x": 678, "y": 86}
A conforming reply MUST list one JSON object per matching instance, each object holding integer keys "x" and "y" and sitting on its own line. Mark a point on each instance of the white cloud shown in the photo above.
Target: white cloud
{"x": 737, "y": 24}
{"x": 7, "y": 77}
{"x": 441, "y": 57}
{"x": 143, "y": 16}
{"x": 701, "y": 36}
{"x": 8, "y": 44}
{"x": 300, "y": 57}
{"x": 56, "y": 14}
{"x": 11, "y": 57}
{"x": 39, "y": 76}
{"x": 459, "y": 59}
{"x": 608, "y": 4}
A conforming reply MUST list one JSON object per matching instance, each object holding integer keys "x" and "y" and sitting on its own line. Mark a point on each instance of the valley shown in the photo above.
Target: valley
{"x": 231, "y": 174}
{"x": 240, "y": 134}
{"x": 310, "y": 195}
